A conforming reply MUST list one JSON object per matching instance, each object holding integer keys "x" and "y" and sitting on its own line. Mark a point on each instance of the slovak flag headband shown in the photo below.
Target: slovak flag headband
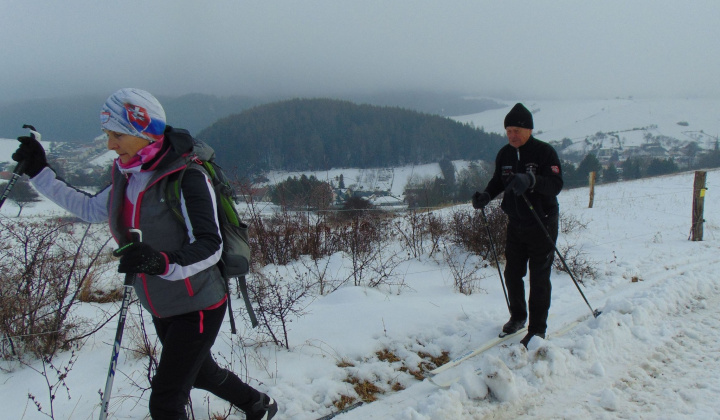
{"x": 134, "y": 112}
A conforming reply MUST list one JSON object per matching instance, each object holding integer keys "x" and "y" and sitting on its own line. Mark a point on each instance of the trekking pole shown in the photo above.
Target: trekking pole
{"x": 18, "y": 168}
{"x": 497, "y": 263}
{"x": 136, "y": 234}
{"x": 595, "y": 312}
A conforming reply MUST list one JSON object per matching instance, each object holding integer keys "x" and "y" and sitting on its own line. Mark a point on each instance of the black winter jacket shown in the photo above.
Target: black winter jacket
{"x": 538, "y": 158}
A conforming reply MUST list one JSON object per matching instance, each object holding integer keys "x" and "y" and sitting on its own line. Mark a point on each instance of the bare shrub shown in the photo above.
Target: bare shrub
{"x": 571, "y": 223}
{"x": 468, "y": 229}
{"x": 577, "y": 261}
{"x": 419, "y": 232}
{"x": 141, "y": 345}
{"x": 580, "y": 265}
{"x": 53, "y": 385}
{"x": 286, "y": 235}
{"x": 95, "y": 291}
{"x": 327, "y": 281}
{"x": 279, "y": 299}
{"x": 45, "y": 265}
{"x": 382, "y": 270}
{"x": 281, "y": 238}
{"x": 363, "y": 239}
{"x": 464, "y": 267}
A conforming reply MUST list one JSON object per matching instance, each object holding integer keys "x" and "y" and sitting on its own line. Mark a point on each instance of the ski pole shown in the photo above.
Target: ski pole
{"x": 497, "y": 263}
{"x": 18, "y": 168}
{"x": 595, "y": 312}
{"x": 136, "y": 235}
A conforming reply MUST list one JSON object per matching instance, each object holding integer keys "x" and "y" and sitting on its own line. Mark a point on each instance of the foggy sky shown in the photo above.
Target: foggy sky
{"x": 516, "y": 49}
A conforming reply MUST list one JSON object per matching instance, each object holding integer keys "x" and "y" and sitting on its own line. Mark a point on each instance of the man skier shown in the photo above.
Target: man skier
{"x": 526, "y": 168}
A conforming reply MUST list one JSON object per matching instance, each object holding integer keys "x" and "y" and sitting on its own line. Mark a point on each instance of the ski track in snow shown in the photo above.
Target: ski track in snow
{"x": 612, "y": 367}
{"x": 660, "y": 370}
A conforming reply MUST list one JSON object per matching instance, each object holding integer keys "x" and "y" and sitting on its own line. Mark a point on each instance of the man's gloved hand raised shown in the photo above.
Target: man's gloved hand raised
{"x": 141, "y": 258}
{"x": 32, "y": 154}
{"x": 519, "y": 183}
{"x": 480, "y": 200}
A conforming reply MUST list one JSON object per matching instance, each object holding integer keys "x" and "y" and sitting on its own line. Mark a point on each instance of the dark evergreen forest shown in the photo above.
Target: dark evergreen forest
{"x": 317, "y": 134}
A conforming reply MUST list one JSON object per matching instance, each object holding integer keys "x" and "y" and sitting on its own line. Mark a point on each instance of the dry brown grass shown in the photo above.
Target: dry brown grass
{"x": 345, "y": 363}
{"x": 387, "y": 356}
{"x": 436, "y": 360}
{"x": 344, "y": 401}
{"x": 88, "y": 294}
{"x": 365, "y": 389}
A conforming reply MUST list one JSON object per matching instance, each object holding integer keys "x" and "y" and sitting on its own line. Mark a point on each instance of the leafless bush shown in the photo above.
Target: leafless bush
{"x": 141, "y": 345}
{"x": 464, "y": 267}
{"x": 469, "y": 230}
{"x": 382, "y": 272}
{"x": 279, "y": 299}
{"x": 570, "y": 223}
{"x": 45, "y": 266}
{"x": 319, "y": 269}
{"x": 577, "y": 261}
{"x": 419, "y": 231}
{"x": 363, "y": 240}
{"x": 53, "y": 385}
{"x": 281, "y": 237}
{"x": 286, "y": 235}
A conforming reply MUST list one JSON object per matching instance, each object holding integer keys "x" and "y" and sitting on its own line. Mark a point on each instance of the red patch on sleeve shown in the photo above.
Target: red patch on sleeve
{"x": 555, "y": 169}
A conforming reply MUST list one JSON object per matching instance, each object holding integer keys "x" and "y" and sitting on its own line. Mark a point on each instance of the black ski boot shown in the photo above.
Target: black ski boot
{"x": 264, "y": 409}
{"x": 529, "y": 336}
{"x": 512, "y": 326}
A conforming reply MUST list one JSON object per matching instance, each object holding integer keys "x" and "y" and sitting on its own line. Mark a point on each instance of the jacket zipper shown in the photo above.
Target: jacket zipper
{"x": 136, "y": 221}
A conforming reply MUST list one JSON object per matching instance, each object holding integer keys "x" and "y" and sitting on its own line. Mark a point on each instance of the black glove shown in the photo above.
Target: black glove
{"x": 519, "y": 183}
{"x": 480, "y": 200}
{"x": 32, "y": 153}
{"x": 140, "y": 258}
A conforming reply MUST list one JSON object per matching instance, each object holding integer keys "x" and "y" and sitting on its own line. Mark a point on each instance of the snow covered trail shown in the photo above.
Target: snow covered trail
{"x": 651, "y": 354}
{"x": 667, "y": 381}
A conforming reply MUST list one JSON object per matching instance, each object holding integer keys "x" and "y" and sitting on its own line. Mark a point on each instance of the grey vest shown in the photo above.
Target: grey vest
{"x": 163, "y": 231}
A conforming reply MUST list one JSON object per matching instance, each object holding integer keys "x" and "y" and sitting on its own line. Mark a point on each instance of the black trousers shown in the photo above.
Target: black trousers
{"x": 528, "y": 246}
{"x": 186, "y": 362}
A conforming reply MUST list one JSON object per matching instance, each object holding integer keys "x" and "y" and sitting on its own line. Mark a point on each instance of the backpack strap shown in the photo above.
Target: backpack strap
{"x": 242, "y": 285}
{"x": 172, "y": 196}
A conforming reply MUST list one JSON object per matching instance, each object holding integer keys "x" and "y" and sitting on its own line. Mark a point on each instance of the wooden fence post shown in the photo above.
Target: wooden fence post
{"x": 592, "y": 189}
{"x": 698, "y": 206}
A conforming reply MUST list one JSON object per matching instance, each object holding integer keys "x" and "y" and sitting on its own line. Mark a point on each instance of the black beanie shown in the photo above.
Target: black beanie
{"x": 519, "y": 116}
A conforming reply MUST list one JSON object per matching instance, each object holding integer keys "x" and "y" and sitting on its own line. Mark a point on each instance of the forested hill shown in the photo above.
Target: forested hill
{"x": 317, "y": 134}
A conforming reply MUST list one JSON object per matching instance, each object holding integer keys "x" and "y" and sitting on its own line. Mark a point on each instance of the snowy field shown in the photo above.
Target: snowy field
{"x": 555, "y": 120}
{"x": 653, "y": 353}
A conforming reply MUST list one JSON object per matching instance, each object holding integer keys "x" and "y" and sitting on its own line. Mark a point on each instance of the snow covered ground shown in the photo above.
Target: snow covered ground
{"x": 652, "y": 353}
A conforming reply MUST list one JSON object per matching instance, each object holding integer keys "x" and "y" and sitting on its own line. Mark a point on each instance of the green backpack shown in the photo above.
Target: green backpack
{"x": 235, "y": 259}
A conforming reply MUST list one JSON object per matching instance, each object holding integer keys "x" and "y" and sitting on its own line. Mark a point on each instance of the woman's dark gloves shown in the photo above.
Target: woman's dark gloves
{"x": 31, "y": 155}
{"x": 141, "y": 258}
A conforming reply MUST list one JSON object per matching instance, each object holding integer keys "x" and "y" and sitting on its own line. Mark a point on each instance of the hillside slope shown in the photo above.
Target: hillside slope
{"x": 614, "y": 123}
{"x": 313, "y": 134}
